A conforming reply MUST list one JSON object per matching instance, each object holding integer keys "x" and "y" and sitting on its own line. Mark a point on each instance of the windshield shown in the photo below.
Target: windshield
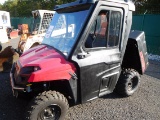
{"x": 64, "y": 29}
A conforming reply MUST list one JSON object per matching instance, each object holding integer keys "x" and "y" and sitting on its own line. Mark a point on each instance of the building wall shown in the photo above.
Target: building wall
{"x": 151, "y": 25}
{"x": 15, "y": 21}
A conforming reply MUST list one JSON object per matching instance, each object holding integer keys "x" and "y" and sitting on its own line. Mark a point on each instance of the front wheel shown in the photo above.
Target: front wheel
{"x": 50, "y": 105}
{"x": 128, "y": 82}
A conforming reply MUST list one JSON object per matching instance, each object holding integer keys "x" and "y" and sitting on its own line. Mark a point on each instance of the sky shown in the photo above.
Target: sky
{"x": 2, "y": 1}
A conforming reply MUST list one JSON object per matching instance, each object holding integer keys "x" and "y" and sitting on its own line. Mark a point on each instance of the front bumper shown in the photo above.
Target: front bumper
{"x": 15, "y": 88}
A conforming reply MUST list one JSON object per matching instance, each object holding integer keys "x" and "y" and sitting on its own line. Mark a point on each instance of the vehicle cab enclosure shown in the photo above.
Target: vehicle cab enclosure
{"x": 87, "y": 45}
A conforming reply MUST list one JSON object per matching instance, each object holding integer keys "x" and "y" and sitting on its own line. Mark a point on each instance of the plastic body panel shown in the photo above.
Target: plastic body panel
{"x": 53, "y": 66}
{"x": 139, "y": 37}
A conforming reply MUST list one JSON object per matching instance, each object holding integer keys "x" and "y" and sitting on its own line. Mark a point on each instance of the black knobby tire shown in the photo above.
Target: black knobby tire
{"x": 128, "y": 82}
{"x": 49, "y": 105}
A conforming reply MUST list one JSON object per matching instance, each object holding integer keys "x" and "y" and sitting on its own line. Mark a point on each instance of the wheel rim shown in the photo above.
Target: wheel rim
{"x": 132, "y": 84}
{"x": 51, "y": 112}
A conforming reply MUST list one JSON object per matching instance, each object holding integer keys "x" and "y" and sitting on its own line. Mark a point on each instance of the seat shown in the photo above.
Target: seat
{"x": 101, "y": 40}
{"x": 98, "y": 37}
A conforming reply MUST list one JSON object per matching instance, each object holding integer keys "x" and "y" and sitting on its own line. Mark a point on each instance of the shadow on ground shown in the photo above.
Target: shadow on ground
{"x": 153, "y": 69}
{"x": 10, "y": 107}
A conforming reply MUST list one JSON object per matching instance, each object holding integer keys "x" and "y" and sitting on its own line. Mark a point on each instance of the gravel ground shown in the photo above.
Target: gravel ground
{"x": 143, "y": 105}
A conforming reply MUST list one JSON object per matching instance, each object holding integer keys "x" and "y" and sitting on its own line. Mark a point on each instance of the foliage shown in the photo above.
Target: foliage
{"x": 147, "y": 6}
{"x": 23, "y": 8}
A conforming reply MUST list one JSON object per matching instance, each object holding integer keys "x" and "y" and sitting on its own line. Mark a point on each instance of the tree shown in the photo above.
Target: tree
{"x": 147, "y": 6}
{"x": 23, "y": 8}
{"x": 9, "y": 6}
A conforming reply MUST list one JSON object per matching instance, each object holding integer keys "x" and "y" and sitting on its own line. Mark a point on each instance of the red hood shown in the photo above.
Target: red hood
{"x": 52, "y": 64}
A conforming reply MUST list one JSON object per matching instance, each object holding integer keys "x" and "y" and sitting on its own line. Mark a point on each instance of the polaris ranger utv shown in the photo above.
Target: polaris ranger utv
{"x": 88, "y": 51}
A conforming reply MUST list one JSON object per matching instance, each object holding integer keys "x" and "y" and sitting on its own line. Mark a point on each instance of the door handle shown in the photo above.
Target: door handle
{"x": 83, "y": 55}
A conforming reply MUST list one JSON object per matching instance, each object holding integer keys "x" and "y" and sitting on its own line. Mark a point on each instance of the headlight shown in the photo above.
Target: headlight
{"x": 36, "y": 68}
{"x": 29, "y": 70}
{"x": 24, "y": 74}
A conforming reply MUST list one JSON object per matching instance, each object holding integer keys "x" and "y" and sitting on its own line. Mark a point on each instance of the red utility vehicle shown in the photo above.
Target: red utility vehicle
{"x": 88, "y": 51}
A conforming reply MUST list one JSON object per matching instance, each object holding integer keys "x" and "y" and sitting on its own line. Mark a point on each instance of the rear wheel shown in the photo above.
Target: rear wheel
{"x": 50, "y": 105}
{"x": 128, "y": 82}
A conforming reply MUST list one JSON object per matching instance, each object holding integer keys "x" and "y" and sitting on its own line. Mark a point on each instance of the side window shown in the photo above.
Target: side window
{"x": 105, "y": 30}
{"x": 114, "y": 28}
{"x": 98, "y": 33}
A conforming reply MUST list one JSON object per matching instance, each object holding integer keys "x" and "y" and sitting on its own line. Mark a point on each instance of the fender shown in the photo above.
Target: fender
{"x": 138, "y": 38}
{"x": 51, "y": 65}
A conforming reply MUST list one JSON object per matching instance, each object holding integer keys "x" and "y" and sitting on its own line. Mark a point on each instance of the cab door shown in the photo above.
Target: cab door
{"x": 100, "y": 56}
